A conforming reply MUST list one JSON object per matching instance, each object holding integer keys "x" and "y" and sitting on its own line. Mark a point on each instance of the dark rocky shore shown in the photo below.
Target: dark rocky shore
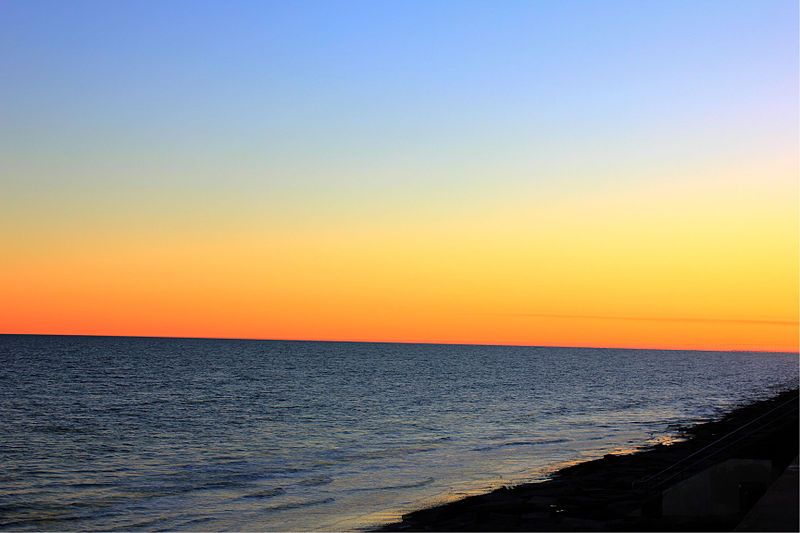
{"x": 626, "y": 492}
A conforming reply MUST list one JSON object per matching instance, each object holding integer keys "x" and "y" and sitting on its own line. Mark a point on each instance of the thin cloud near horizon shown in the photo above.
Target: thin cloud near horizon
{"x": 780, "y": 322}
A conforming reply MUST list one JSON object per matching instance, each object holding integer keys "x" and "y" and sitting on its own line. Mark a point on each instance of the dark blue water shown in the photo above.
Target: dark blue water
{"x": 133, "y": 433}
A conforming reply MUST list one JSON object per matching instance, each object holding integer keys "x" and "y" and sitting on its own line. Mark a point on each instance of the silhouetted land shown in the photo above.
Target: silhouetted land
{"x": 624, "y": 492}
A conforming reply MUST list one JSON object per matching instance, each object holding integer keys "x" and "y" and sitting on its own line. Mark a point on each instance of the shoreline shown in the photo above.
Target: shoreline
{"x": 638, "y": 491}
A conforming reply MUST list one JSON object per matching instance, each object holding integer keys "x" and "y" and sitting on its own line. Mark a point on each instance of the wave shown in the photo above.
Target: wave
{"x": 264, "y": 494}
{"x": 519, "y": 443}
{"x": 299, "y": 505}
{"x": 195, "y": 521}
{"x": 315, "y": 481}
{"x": 422, "y": 483}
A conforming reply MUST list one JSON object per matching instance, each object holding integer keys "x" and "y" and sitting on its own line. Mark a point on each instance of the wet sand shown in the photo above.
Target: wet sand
{"x": 623, "y": 492}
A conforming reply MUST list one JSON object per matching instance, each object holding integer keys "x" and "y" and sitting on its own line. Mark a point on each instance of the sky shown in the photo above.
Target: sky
{"x": 571, "y": 173}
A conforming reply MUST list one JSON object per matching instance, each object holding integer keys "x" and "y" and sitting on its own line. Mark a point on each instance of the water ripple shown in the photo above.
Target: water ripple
{"x": 131, "y": 433}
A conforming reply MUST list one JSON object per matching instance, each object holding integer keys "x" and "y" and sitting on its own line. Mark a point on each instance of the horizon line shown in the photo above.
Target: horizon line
{"x": 427, "y": 343}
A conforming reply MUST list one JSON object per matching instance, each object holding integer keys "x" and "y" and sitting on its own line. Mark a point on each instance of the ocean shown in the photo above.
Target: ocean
{"x": 105, "y": 433}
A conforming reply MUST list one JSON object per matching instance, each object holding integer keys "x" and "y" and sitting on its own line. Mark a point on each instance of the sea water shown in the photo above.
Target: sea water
{"x": 102, "y": 433}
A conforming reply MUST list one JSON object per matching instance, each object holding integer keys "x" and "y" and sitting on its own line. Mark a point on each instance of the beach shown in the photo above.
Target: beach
{"x": 680, "y": 486}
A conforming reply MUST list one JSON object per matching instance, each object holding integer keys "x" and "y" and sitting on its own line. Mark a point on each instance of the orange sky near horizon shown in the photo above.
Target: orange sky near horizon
{"x": 618, "y": 268}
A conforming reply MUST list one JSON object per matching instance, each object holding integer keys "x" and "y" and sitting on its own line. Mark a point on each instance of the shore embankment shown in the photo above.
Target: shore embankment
{"x": 706, "y": 482}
